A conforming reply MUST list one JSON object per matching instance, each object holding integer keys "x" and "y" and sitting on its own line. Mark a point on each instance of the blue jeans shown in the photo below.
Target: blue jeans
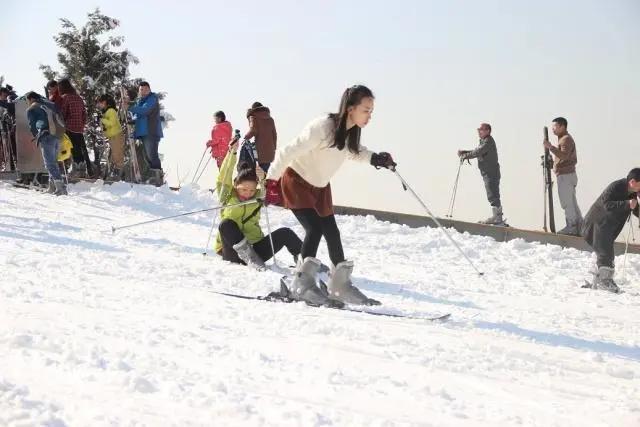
{"x": 49, "y": 147}
{"x": 150, "y": 144}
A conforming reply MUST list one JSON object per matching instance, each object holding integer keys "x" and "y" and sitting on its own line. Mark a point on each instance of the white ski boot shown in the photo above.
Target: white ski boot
{"x": 341, "y": 288}
{"x": 495, "y": 218}
{"x": 305, "y": 284}
{"x": 247, "y": 254}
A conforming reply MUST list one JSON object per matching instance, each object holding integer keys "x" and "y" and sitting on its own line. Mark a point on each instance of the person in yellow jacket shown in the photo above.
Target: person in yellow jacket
{"x": 113, "y": 131}
{"x": 240, "y": 238}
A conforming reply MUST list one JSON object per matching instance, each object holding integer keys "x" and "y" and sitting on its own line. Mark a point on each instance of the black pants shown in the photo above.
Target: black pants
{"x": 602, "y": 244}
{"x": 315, "y": 228}
{"x": 492, "y": 186}
{"x": 79, "y": 150}
{"x": 230, "y": 234}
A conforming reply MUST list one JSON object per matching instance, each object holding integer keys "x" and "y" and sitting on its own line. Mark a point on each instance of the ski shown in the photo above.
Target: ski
{"x": 279, "y": 297}
{"x": 30, "y": 187}
{"x": 129, "y": 140}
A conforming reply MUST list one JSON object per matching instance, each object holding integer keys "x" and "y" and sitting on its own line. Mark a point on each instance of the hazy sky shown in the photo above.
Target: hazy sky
{"x": 437, "y": 68}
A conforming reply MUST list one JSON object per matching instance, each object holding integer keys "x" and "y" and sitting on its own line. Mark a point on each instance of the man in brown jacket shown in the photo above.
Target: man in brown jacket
{"x": 263, "y": 128}
{"x": 564, "y": 167}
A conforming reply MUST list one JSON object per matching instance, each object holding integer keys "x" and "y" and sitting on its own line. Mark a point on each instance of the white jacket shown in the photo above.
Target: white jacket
{"x": 310, "y": 154}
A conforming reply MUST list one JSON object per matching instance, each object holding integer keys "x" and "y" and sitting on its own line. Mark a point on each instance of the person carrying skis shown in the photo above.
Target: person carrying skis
{"x": 299, "y": 178}
{"x": 220, "y": 137}
{"x": 487, "y": 155}
{"x": 45, "y": 140}
{"x": 240, "y": 238}
{"x": 605, "y": 220}
{"x": 564, "y": 167}
{"x": 113, "y": 132}
{"x": 148, "y": 128}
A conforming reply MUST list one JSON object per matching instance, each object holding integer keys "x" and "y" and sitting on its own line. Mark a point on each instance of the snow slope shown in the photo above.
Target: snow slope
{"x": 123, "y": 329}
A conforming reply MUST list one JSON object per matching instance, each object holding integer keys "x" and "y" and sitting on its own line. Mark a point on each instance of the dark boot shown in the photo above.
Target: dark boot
{"x": 157, "y": 178}
{"x": 604, "y": 280}
{"x": 61, "y": 187}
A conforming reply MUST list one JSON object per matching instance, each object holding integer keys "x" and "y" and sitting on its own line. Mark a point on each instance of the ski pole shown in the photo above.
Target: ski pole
{"x": 215, "y": 208}
{"x": 444, "y": 230}
{"x": 452, "y": 201}
{"x": 199, "y": 163}
{"x": 626, "y": 248}
{"x": 273, "y": 250}
{"x": 203, "y": 169}
{"x": 213, "y": 225}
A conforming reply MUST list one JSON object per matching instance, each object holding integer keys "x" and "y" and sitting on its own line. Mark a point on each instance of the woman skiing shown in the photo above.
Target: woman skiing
{"x": 240, "y": 238}
{"x": 299, "y": 177}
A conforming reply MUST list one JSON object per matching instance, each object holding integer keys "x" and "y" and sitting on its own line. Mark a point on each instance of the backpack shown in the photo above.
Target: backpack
{"x": 248, "y": 153}
{"x": 56, "y": 121}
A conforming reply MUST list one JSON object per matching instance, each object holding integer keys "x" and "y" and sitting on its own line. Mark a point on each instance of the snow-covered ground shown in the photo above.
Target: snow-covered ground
{"x": 123, "y": 329}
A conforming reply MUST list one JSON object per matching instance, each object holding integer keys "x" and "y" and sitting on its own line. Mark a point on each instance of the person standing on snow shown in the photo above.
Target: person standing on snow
{"x": 148, "y": 128}
{"x": 74, "y": 113}
{"x": 299, "y": 177}
{"x": 487, "y": 155}
{"x": 221, "y": 135}
{"x": 604, "y": 222}
{"x": 53, "y": 93}
{"x": 564, "y": 167}
{"x": 240, "y": 238}
{"x": 113, "y": 132}
{"x": 263, "y": 128}
{"x": 46, "y": 141}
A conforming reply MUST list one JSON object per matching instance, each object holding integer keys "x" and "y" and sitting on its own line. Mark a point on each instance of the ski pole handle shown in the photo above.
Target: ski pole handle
{"x": 545, "y": 132}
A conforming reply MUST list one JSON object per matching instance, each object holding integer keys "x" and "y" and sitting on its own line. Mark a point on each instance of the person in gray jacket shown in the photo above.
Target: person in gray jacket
{"x": 487, "y": 155}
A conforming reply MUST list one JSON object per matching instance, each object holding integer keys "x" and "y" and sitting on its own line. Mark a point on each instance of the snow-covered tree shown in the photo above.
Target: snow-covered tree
{"x": 96, "y": 63}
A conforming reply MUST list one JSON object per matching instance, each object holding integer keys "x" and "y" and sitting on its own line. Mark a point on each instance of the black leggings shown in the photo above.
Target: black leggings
{"x": 79, "y": 150}
{"x": 230, "y": 234}
{"x": 315, "y": 228}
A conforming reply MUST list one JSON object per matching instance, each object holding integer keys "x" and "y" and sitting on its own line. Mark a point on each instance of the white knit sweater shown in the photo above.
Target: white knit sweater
{"x": 310, "y": 154}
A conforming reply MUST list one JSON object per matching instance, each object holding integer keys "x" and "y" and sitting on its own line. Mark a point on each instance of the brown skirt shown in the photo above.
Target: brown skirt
{"x": 299, "y": 194}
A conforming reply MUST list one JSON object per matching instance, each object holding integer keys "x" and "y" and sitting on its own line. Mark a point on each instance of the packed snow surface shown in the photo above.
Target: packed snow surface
{"x": 98, "y": 328}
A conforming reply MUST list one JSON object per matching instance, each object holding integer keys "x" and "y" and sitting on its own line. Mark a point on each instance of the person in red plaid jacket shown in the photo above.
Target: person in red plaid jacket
{"x": 75, "y": 117}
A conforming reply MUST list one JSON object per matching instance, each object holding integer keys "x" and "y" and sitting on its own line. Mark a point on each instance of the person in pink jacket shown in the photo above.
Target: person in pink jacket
{"x": 220, "y": 137}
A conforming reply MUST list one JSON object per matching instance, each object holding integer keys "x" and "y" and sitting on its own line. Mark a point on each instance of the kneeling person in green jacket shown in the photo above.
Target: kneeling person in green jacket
{"x": 240, "y": 238}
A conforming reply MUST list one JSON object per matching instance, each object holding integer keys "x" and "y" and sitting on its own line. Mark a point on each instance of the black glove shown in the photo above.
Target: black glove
{"x": 463, "y": 154}
{"x": 383, "y": 160}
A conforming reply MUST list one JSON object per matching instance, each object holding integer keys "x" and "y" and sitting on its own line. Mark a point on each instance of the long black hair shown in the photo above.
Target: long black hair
{"x": 351, "y": 138}
{"x": 65, "y": 87}
{"x": 110, "y": 100}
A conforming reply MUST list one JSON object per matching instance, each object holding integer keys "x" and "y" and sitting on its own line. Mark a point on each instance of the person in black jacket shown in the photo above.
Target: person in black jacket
{"x": 605, "y": 220}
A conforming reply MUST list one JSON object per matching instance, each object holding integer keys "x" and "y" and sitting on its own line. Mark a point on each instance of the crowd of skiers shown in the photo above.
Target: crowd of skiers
{"x": 58, "y": 123}
{"x": 254, "y": 173}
